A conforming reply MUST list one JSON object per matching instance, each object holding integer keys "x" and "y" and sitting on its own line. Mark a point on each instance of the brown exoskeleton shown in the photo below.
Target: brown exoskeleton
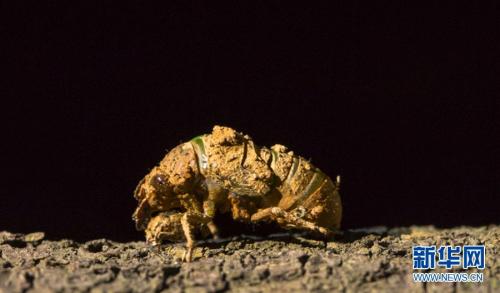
{"x": 224, "y": 172}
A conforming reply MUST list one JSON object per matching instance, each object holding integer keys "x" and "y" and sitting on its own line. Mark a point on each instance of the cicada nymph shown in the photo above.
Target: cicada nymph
{"x": 225, "y": 172}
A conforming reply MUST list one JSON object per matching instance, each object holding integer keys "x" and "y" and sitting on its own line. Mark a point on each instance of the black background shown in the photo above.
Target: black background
{"x": 392, "y": 97}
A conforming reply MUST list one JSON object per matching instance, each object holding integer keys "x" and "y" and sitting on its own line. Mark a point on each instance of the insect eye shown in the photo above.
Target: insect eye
{"x": 160, "y": 180}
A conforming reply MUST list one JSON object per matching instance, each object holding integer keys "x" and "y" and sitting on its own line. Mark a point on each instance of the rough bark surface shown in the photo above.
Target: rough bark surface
{"x": 373, "y": 259}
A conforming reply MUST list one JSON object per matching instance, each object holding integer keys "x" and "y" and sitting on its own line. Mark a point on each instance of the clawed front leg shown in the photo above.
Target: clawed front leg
{"x": 142, "y": 215}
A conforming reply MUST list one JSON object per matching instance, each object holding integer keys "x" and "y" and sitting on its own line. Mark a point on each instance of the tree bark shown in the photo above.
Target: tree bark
{"x": 371, "y": 259}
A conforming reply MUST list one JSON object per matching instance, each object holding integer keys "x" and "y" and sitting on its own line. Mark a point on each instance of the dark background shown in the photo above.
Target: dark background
{"x": 392, "y": 97}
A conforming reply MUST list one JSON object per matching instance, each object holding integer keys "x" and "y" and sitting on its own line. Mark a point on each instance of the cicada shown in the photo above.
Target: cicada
{"x": 225, "y": 172}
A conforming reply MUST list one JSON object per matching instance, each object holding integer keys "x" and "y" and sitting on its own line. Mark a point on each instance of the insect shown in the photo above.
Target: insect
{"x": 225, "y": 172}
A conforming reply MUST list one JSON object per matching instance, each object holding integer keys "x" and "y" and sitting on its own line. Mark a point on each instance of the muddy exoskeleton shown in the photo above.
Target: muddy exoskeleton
{"x": 225, "y": 172}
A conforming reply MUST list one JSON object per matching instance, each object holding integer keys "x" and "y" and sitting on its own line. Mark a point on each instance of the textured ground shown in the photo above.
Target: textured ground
{"x": 374, "y": 259}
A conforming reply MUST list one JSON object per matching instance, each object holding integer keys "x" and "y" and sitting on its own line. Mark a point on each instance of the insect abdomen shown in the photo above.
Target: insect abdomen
{"x": 305, "y": 186}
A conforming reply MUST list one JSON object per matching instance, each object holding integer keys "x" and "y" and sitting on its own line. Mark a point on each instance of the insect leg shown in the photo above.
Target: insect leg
{"x": 242, "y": 207}
{"x": 188, "y": 221}
{"x": 261, "y": 215}
{"x": 289, "y": 220}
{"x": 209, "y": 211}
{"x": 213, "y": 229}
{"x": 190, "y": 203}
{"x": 215, "y": 195}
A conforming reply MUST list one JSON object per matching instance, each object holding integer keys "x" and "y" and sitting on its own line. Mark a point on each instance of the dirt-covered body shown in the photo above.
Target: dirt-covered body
{"x": 225, "y": 172}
